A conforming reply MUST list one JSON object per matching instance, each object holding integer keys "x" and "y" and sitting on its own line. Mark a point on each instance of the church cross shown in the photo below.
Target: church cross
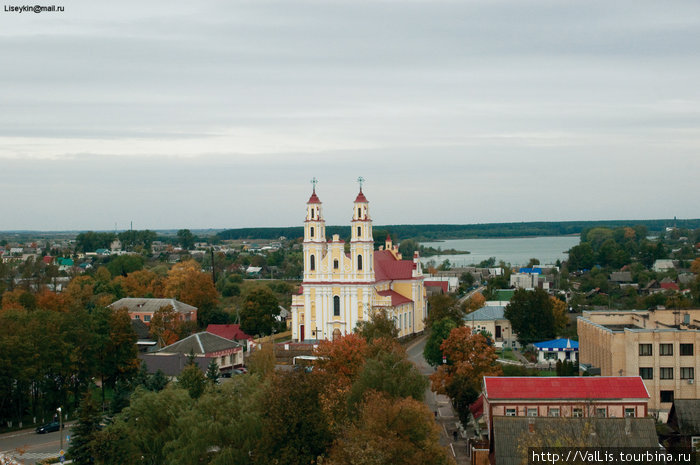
{"x": 360, "y": 180}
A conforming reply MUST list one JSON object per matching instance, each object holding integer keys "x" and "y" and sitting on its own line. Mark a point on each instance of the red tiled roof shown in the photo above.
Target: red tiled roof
{"x": 396, "y": 298}
{"x": 557, "y": 387}
{"x": 670, "y": 286}
{"x": 442, "y": 284}
{"x": 47, "y": 259}
{"x": 230, "y": 332}
{"x": 386, "y": 267}
{"x": 360, "y": 197}
{"x": 313, "y": 198}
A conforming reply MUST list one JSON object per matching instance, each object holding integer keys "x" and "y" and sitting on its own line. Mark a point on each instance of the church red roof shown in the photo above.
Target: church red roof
{"x": 386, "y": 267}
{"x": 313, "y": 198}
{"x": 555, "y": 387}
{"x": 360, "y": 197}
{"x": 396, "y": 298}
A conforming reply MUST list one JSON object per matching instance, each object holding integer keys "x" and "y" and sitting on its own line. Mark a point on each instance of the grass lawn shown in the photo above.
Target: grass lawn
{"x": 507, "y": 354}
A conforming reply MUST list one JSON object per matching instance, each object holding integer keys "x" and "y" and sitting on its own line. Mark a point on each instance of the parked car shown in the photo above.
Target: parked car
{"x": 49, "y": 427}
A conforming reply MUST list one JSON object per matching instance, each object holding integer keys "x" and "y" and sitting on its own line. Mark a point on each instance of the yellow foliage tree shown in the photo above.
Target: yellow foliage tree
{"x": 187, "y": 283}
{"x": 559, "y": 312}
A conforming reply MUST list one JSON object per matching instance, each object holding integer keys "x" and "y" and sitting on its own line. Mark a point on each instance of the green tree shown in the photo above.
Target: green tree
{"x": 192, "y": 380}
{"x": 438, "y": 332}
{"x": 581, "y": 257}
{"x": 259, "y": 311}
{"x": 531, "y": 316}
{"x": 122, "y": 265}
{"x": 186, "y": 239}
{"x": 157, "y": 381}
{"x": 84, "y": 432}
{"x": 408, "y": 247}
{"x": 213, "y": 372}
{"x": 391, "y": 374}
{"x": 379, "y": 325}
{"x": 443, "y": 306}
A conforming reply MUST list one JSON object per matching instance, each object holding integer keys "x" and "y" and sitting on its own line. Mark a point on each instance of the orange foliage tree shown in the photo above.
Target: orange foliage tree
{"x": 48, "y": 300}
{"x": 165, "y": 325}
{"x": 343, "y": 357}
{"x": 141, "y": 283}
{"x": 469, "y": 359}
{"x": 187, "y": 283}
{"x": 475, "y": 302}
{"x": 10, "y": 299}
{"x": 391, "y": 431}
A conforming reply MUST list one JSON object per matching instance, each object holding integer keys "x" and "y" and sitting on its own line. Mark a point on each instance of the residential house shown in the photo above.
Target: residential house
{"x": 512, "y": 436}
{"x": 661, "y": 346}
{"x": 621, "y": 277}
{"x": 232, "y": 332}
{"x": 144, "y": 341}
{"x": 492, "y": 319}
{"x": 663, "y": 265}
{"x": 557, "y": 350}
{"x": 143, "y": 308}
{"x": 567, "y": 396}
{"x": 204, "y": 346}
{"x": 684, "y": 424}
{"x": 435, "y": 287}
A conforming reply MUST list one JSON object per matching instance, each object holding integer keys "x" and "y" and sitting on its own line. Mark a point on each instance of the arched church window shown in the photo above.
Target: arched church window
{"x": 336, "y": 305}
{"x": 359, "y": 212}
{"x": 359, "y": 231}
{"x": 312, "y": 213}
{"x": 359, "y": 262}
{"x": 311, "y": 231}
{"x": 312, "y": 262}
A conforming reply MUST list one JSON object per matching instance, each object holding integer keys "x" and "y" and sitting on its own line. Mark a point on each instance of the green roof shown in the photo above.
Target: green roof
{"x": 503, "y": 295}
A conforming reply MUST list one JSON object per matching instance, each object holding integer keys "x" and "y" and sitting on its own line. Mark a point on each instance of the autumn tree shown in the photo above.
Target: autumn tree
{"x": 531, "y": 316}
{"x": 141, "y": 283}
{"x": 559, "y": 312}
{"x": 389, "y": 432}
{"x": 379, "y": 326}
{"x": 259, "y": 311}
{"x": 342, "y": 357}
{"x": 469, "y": 358}
{"x": 165, "y": 326}
{"x": 187, "y": 283}
{"x": 475, "y": 302}
{"x": 262, "y": 361}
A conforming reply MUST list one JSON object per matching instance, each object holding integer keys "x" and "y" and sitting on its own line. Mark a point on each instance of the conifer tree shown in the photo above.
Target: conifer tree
{"x": 89, "y": 417}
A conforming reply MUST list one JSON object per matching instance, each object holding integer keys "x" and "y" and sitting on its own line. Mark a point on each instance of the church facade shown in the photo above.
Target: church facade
{"x": 342, "y": 288}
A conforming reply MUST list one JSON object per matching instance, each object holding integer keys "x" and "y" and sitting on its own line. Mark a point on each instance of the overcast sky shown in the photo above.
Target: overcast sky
{"x": 217, "y": 114}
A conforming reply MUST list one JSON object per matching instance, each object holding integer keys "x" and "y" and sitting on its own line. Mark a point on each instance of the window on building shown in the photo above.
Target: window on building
{"x": 665, "y": 349}
{"x": 147, "y": 318}
{"x": 359, "y": 212}
{"x": 646, "y": 372}
{"x": 695, "y": 442}
{"x": 550, "y": 355}
{"x": 532, "y": 411}
{"x": 359, "y": 231}
{"x": 312, "y": 213}
{"x": 688, "y": 373}
{"x": 511, "y": 412}
{"x": 577, "y": 412}
{"x": 601, "y": 412}
{"x": 312, "y": 263}
{"x": 311, "y": 231}
{"x": 554, "y": 412}
{"x": 336, "y": 305}
{"x": 645, "y": 349}
{"x": 666, "y": 396}
{"x": 137, "y": 317}
{"x": 666, "y": 373}
{"x": 686, "y": 349}
{"x": 359, "y": 262}
{"x": 629, "y": 412}
{"x": 335, "y": 264}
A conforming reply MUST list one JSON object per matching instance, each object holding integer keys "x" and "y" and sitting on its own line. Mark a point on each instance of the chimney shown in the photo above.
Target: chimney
{"x": 531, "y": 425}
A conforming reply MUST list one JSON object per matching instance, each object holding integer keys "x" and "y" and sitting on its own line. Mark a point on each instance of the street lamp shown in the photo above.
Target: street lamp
{"x": 60, "y": 425}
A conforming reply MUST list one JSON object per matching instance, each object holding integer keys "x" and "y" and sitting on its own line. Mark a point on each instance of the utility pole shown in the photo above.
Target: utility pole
{"x": 213, "y": 270}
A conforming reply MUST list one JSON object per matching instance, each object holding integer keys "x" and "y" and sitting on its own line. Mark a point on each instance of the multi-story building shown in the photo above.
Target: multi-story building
{"x": 491, "y": 318}
{"x": 541, "y": 396}
{"x": 660, "y": 346}
{"x": 345, "y": 285}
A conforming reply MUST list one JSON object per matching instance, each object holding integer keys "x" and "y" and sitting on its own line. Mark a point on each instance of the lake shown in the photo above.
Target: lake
{"x": 515, "y": 250}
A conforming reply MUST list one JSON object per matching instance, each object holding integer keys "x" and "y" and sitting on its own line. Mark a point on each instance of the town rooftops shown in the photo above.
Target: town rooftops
{"x": 441, "y": 284}
{"x": 145, "y": 305}
{"x": 230, "y": 332}
{"x": 564, "y": 387}
{"x": 488, "y": 313}
{"x": 685, "y": 413}
{"x": 557, "y": 345}
{"x": 200, "y": 344}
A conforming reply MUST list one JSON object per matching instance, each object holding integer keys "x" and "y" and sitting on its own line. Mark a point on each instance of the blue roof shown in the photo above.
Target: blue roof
{"x": 531, "y": 270}
{"x": 559, "y": 344}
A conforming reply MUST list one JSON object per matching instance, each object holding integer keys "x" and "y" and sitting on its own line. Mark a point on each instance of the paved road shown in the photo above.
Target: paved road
{"x": 446, "y": 418}
{"x": 461, "y": 300}
{"x": 28, "y": 447}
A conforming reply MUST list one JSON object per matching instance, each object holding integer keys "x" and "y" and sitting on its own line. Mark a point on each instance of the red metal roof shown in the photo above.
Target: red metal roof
{"x": 442, "y": 284}
{"x": 360, "y": 197}
{"x": 313, "y": 198}
{"x": 387, "y": 267}
{"x": 670, "y": 286}
{"x": 477, "y": 408}
{"x": 562, "y": 387}
{"x": 396, "y": 298}
{"x": 230, "y": 332}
